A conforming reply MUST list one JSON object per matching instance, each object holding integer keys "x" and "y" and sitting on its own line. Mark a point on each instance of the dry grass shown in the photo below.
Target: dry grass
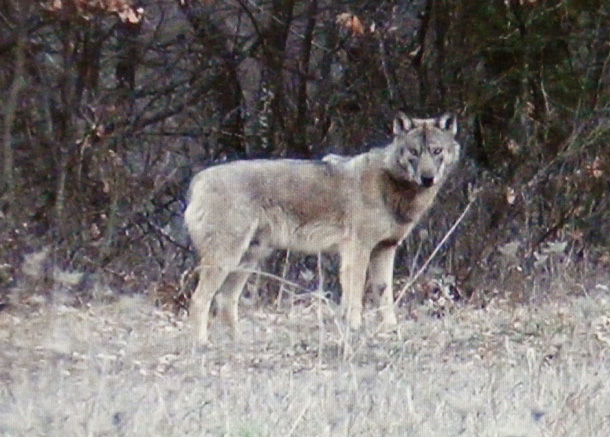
{"x": 124, "y": 368}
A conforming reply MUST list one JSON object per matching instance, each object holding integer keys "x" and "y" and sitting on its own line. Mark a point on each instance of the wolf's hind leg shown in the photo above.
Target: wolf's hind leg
{"x": 221, "y": 256}
{"x": 230, "y": 291}
{"x": 228, "y": 298}
{"x": 210, "y": 279}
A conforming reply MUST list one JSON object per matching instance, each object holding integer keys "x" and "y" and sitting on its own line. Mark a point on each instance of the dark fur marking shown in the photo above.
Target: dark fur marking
{"x": 386, "y": 244}
{"x": 398, "y": 197}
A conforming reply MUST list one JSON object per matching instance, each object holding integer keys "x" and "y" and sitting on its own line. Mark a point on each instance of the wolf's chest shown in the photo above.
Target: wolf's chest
{"x": 406, "y": 203}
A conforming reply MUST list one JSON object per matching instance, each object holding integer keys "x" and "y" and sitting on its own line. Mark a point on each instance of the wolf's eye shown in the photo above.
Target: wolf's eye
{"x": 437, "y": 151}
{"x": 413, "y": 151}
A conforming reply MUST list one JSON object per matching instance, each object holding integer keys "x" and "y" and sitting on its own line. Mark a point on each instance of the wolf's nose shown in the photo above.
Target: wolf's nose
{"x": 427, "y": 181}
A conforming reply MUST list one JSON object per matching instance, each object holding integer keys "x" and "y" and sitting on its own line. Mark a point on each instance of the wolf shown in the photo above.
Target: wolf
{"x": 361, "y": 207}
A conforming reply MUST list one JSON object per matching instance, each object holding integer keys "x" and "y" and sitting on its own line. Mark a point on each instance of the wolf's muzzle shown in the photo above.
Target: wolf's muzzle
{"x": 427, "y": 181}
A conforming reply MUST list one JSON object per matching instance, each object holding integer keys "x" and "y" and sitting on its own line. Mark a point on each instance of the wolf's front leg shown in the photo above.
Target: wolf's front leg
{"x": 381, "y": 270}
{"x": 354, "y": 262}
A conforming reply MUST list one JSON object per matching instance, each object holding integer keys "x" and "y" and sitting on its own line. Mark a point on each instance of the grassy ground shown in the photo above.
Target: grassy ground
{"x": 124, "y": 368}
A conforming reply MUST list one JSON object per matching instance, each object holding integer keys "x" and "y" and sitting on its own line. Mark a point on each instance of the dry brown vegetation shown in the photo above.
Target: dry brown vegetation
{"x": 125, "y": 368}
{"x": 110, "y": 106}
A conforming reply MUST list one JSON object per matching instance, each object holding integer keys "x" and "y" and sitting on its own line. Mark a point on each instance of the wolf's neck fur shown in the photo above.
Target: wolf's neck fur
{"x": 405, "y": 200}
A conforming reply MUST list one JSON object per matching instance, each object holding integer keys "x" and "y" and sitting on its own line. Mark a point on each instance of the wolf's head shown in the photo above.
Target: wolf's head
{"x": 423, "y": 150}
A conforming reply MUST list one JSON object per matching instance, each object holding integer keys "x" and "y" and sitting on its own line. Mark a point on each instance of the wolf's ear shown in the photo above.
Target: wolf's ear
{"x": 402, "y": 123}
{"x": 448, "y": 121}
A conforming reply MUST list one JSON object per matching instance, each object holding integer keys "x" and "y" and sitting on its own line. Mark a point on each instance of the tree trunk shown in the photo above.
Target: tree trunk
{"x": 272, "y": 119}
{"x": 9, "y": 117}
{"x": 300, "y": 140}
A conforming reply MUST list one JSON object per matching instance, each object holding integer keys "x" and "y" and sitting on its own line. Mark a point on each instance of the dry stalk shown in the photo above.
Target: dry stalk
{"x": 300, "y": 416}
{"x": 280, "y": 293}
{"x": 320, "y": 294}
{"x": 473, "y": 198}
{"x": 262, "y": 273}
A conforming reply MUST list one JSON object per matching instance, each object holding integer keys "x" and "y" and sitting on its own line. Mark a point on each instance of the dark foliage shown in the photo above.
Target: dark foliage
{"x": 109, "y": 107}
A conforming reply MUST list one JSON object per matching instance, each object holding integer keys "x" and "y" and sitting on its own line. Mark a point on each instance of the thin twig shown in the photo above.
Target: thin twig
{"x": 436, "y": 249}
{"x": 279, "y": 21}
{"x": 320, "y": 293}
{"x": 280, "y": 293}
{"x": 265, "y": 274}
{"x": 300, "y": 416}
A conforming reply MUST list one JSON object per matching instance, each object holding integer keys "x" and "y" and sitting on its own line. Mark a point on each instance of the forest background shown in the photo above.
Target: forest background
{"x": 109, "y": 107}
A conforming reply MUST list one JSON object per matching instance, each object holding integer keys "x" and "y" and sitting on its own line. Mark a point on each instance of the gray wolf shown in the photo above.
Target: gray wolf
{"x": 361, "y": 207}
